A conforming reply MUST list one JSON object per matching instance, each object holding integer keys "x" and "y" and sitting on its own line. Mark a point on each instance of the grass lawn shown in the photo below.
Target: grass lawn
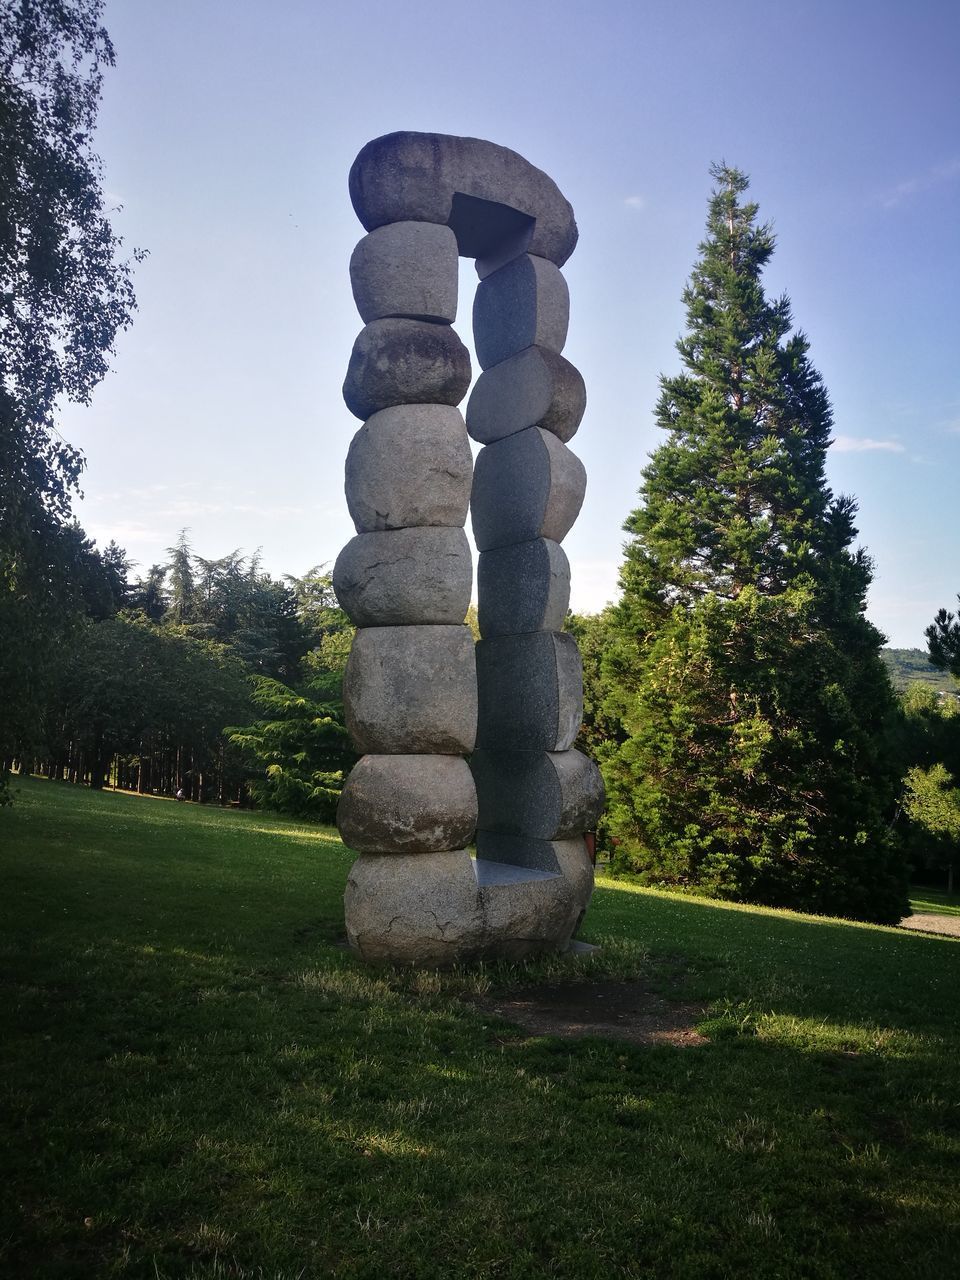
{"x": 924, "y": 899}
{"x": 196, "y": 1081}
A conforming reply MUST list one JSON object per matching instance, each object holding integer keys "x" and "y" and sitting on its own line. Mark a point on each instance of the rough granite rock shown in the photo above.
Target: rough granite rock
{"x": 405, "y": 362}
{"x": 408, "y": 804}
{"x": 530, "y": 692}
{"x": 536, "y": 388}
{"x": 406, "y": 269}
{"x": 524, "y": 587}
{"x": 410, "y": 466}
{"x": 436, "y": 909}
{"x": 411, "y": 691}
{"x": 524, "y": 304}
{"x": 435, "y": 177}
{"x": 525, "y": 487}
{"x": 405, "y": 576}
{"x": 550, "y": 796}
{"x": 568, "y": 857}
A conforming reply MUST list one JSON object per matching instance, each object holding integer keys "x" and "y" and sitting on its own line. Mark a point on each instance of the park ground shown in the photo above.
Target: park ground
{"x": 197, "y": 1080}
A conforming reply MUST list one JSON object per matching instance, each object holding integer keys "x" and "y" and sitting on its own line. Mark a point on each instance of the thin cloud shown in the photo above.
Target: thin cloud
{"x": 636, "y": 202}
{"x": 948, "y": 171}
{"x": 866, "y": 444}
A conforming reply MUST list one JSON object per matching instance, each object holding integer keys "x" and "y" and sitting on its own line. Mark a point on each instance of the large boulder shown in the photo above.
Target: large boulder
{"x": 405, "y": 362}
{"x": 527, "y": 486}
{"x": 408, "y": 804}
{"x": 405, "y": 576}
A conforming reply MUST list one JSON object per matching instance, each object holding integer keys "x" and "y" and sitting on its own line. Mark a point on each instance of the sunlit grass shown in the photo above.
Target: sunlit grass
{"x": 199, "y": 1081}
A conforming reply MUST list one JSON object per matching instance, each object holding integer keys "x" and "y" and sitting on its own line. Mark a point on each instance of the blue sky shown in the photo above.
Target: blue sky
{"x": 227, "y": 131}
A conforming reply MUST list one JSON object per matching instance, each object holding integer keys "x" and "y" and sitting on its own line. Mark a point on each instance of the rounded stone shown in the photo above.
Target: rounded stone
{"x": 412, "y": 691}
{"x": 405, "y": 362}
{"x": 523, "y": 587}
{"x": 408, "y": 804}
{"x": 530, "y": 692}
{"x": 524, "y": 304}
{"x": 549, "y": 796}
{"x": 535, "y": 388}
{"x": 428, "y": 177}
{"x": 405, "y": 576}
{"x": 406, "y": 269}
{"x": 525, "y": 487}
{"x": 408, "y": 466}
{"x": 438, "y": 909}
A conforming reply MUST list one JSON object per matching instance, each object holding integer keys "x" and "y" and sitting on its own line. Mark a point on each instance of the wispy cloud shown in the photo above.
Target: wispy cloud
{"x": 948, "y": 171}
{"x": 866, "y": 444}
{"x": 636, "y": 202}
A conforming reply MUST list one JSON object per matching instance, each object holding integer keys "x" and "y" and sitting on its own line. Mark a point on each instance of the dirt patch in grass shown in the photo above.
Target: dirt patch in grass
{"x": 617, "y": 1010}
{"x": 928, "y": 923}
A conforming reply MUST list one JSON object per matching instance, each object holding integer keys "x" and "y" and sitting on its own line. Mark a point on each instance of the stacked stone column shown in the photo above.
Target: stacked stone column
{"x": 419, "y": 699}
{"x": 537, "y": 796}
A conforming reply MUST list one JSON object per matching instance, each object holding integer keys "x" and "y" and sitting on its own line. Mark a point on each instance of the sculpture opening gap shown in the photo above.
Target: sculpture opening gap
{"x": 462, "y": 741}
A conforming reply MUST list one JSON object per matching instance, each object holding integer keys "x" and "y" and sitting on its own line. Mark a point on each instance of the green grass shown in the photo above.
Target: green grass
{"x": 932, "y": 900}
{"x": 198, "y": 1082}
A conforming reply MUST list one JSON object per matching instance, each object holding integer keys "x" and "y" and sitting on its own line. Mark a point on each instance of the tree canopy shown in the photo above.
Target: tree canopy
{"x": 744, "y": 674}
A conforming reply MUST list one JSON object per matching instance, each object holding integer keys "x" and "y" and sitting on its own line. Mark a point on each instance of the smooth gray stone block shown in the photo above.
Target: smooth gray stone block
{"x": 405, "y": 576}
{"x": 408, "y": 804}
{"x": 436, "y": 177}
{"x": 405, "y": 362}
{"x": 408, "y": 466}
{"x": 411, "y": 691}
{"x": 436, "y": 909}
{"x": 524, "y": 587}
{"x": 530, "y": 692}
{"x": 536, "y": 388}
{"x": 524, "y": 304}
{"x": 568, "y": 858}
{"x": 549, "y": 796}
{"x": 525, "y": 487}
{"x": 406, "y": 269}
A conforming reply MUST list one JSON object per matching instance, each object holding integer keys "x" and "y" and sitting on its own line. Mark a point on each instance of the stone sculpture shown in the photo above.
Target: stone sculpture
{"x": 420, "y": 698}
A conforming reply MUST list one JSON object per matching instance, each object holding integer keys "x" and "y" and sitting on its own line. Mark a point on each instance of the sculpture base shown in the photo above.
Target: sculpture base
{"x": 439, "y": 909}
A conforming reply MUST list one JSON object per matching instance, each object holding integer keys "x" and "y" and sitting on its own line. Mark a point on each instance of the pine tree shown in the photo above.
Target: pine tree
{"x": 746, "y": 677}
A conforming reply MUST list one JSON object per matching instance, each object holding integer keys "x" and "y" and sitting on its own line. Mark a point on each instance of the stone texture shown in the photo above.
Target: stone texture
{"x": 549, "y": 796}
{"x": 524, "y": 587}
{"x": 436, "y": 909}
{"x": 433, "y": 177}
{"x": 406, "y": 269}
{"x": 525, "y": 487}
{"x": 569, "y": 858}
{"x": 405, "y": 362}
{"x": 536, "y": 388}
{"x": 405, "y": 576}
{"x": 409, "y": 466}
{"x": 524, "y": 304}
{"x": 411, "y": 691}
{"x": 530, "y": 692}
{"x": 408, "y": 804}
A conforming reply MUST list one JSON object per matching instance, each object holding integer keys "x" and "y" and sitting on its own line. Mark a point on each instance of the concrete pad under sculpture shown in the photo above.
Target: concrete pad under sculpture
{"x": 549, "y": 796}
{"x": 406, "y": 269}
{"x": 408, "y": 804}
{"x": 411, "y": 691}
{"x": 530, "y": 692}
{"x": 405, "y": 362}
{"x": 536, "y": 388}
{"x": 524, "y": 304}
{"x": 523, "y": 587}
{"x": 405, "y": 576}
{"x": 409, "y": 466}
{"x": 436, "y": 909}
{"x": 525, "y": 487}
{"x": 435, "y": 177}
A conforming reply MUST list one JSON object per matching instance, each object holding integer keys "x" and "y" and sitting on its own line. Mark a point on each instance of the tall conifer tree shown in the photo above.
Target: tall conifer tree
{"x": 744, "y": 672}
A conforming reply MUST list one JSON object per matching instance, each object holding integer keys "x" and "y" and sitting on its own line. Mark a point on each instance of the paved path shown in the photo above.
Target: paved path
{"x": 932, "y": 924}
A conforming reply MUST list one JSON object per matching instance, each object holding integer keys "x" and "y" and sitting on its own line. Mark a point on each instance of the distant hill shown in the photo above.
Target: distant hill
{"x": 907, "y": 665}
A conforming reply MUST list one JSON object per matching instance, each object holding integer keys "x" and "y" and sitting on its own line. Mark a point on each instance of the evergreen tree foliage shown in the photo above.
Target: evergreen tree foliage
{"x": 747, "y": 680}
